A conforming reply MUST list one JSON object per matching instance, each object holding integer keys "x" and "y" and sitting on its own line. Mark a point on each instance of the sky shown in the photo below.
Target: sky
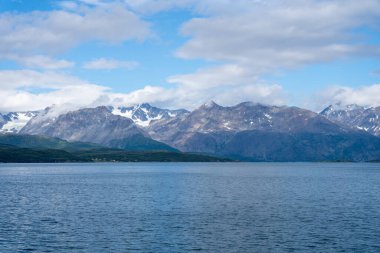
{"x": 183, "y": 53}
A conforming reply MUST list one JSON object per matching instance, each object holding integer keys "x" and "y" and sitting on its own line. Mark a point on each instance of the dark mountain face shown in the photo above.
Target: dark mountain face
{"x": 212, "y": 118}
{"x": 264, "y": 133}
{"x": 354, "y": 116}
{"x": 286, "y": 147}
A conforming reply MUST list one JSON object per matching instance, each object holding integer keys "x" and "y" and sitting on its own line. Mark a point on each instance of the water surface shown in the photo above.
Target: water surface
{"x": 182, "y": 207}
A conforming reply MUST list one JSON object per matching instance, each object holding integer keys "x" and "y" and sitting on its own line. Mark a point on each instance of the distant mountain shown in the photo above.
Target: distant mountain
{"x": 212, "y": 118}
{"x": 144, "y": 114}
{"x": 264, "y": 133}
{"x": 269, "y": 146}
{"x": 13, "y": 122}
{"x": 97, "y": 125}
{"x": 354, "y": 116}
{"x": 247, "y": 131}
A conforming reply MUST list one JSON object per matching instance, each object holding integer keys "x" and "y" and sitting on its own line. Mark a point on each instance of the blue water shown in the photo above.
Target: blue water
{"x": 182, "y": 207}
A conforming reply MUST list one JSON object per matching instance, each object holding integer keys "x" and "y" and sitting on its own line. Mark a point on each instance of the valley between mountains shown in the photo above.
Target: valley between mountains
{"x": 244, "y": 132}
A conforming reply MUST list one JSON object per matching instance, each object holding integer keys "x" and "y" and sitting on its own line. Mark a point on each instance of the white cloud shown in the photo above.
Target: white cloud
{"x": 242, "y": 39}
{"x": 252, "y": 38}
{"x": 364, "y": 96}
{"x": 18, "y": 100}
{"x": 108, "y": 64}
{"x": 33, "y": 90}
{"x": 41, "y": 62}
{"x": 17, "y": 90}
{"x": 34, "y": 35}
{"x": 190, "y": 97}
{"x": 226, "y": 84}
{"x": 151, "y": 7}
{"x": 222, "y": 75}
{"x": 281, "y": 34}
{"x": 16, "y": 79}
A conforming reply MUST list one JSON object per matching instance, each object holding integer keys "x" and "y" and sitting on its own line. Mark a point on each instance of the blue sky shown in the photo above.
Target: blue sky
{"x": 175, "y": 54}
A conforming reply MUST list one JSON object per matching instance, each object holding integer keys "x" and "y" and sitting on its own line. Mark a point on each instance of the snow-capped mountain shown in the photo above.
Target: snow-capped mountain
{"x": 245, "y": 131}
{"x": 212, "y": 118}
{"x": 144, "y": 114}
{"x": 354, "y": 116}
{"x": 13, "y": 122}
{"x": 259, "y": 132}
{"x": 141, "y": 114}
{"x": 97, "y": 125}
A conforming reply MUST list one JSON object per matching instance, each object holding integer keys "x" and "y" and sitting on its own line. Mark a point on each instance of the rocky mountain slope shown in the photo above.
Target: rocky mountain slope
{"x": 264, "y": 133}
{"x": 354, "y": 116}
{"x": 213, "y": 118}
{"x": 95, "y": 125}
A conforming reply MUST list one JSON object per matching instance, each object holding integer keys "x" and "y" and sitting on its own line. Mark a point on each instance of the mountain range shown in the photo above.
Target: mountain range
{"x": 247, "y": 131}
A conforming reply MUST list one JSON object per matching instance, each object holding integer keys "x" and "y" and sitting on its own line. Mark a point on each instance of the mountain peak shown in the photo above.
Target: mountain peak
{"x": 345, "y": 107}
{"x": 210, "y": 104}
{"x": 145, "y": 105}
{"x": 354, "y": 116}
{"x": 143, "y": 114}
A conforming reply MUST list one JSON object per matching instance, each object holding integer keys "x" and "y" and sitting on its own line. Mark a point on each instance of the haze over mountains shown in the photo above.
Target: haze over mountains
{"x": 246, "y": 131}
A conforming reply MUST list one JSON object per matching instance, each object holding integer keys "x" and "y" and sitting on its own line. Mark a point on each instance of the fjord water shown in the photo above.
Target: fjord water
{"x": 180, "y": 207}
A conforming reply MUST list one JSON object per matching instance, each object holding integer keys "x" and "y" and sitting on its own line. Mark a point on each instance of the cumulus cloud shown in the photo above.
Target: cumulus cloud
{"x": 52, "y": 31}
{"x": 242, "y": 40}
{"x": 286, "y": 34}
{"x": 249, "y": 38}
{"x": 20, "y": 100}
{"x": 31, "y": 38}
{"x": 252, "y": 38}
{"x": 16, "y": 79}
{"x": 108, "y": 64}
{"x": 18, "y": 86}
{"x": 364, "y": 96}
{"x": 226, "y": 84}
{"x": 18, "y": 94}
{"x": 223, "y": 75}
{"x": 41, "y": 62}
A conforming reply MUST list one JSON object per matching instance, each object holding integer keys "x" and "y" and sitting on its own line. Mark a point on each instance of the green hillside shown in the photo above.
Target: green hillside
{"x": 42, "y": 142}
{"x": 37, "y": 149}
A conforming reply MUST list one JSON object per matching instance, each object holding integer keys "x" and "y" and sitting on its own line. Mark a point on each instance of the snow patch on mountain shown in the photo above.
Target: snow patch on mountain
{"x": 15, "y": 121}
{"x": 354, "y": 116}
{"x": 144, "y": 114}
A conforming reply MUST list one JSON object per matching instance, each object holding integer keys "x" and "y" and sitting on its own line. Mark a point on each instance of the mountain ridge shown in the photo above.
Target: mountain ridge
{"x": 354, "y": 116}
{"x": 252, "y": 131}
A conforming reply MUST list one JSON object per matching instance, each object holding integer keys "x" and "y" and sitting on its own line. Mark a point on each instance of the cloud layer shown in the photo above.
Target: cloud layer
{"x": 240, "y": 41}
{"x": 108, "y": 64}
{"x": 364, "y": 96}
{"x": 47, "y": 33}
